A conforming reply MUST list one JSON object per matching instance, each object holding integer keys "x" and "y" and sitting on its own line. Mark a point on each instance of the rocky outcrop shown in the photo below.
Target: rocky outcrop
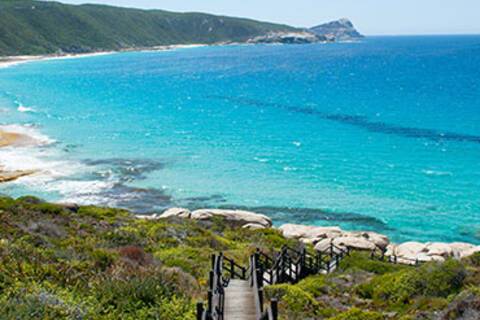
{"x": 235, "y": 218}
{"x": 289, "y": 38}
{"x": 410, "y": 252}
{"x": 176, "y": 212}
{"x": 339, "y": 30}
{"x": 405, "y": 253}
{"x": 309, "y": 234}
{"x": 321, "y": 237}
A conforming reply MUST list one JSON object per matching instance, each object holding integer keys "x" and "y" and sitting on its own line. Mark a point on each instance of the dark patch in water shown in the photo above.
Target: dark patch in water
{"x": 362, "y": 122}
{"x": 138, "y": 200}
{"x": 122, "y": 195}
{"x": 309, "y": 216}
{"x": 128, "y": 169}
{"x": 202, "y": 202}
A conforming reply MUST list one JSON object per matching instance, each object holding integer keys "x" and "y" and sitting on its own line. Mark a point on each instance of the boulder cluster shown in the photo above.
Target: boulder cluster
{"x": 236, "y": 218}
{"x": 322, "y": 237}
{"x": 405, "y": 253}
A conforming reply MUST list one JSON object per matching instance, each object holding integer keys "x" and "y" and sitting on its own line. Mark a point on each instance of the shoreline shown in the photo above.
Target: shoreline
{"x": 14, "y": 139}
{"x": 10, "y": 61}
{"x": 323, "y": 238}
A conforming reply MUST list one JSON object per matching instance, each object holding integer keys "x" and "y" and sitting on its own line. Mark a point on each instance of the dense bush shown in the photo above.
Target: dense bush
{"x": 362, "y": 261}
{"x": 101, "y": 263}
{"x": 401, "y": 287}
{"x": 295, "y": 303}
{"x": 357, "y": 314}
{"x": 97, "y": 263}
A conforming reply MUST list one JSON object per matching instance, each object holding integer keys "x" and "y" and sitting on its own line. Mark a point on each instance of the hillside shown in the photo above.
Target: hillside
{"x": 70, "y": 262}
{"x": 340, "y": 30}
{"x": 35, "y": 27}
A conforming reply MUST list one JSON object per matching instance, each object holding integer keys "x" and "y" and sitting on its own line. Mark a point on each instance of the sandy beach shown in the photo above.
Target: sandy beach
{"x": 10, "y": 61}
{"x": 9, "y": 139}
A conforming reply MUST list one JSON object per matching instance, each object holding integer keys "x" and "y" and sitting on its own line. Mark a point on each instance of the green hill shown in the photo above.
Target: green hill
{"x": 38, "y": 27}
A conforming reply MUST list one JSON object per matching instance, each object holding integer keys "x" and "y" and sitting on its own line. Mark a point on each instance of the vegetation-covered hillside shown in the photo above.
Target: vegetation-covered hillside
{"x": 39, "y": 27}
{"x": 68, "y": 262}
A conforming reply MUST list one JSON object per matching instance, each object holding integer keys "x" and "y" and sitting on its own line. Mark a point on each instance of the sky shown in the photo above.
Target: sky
{"x": 371, "y": 17}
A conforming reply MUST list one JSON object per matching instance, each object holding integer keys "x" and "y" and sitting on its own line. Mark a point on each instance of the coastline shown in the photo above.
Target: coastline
{"x": 14, "y": 139}
{"x": 9, "y": 61}
{"x": 12, "y": 175}
{"x": 322, "y": 238}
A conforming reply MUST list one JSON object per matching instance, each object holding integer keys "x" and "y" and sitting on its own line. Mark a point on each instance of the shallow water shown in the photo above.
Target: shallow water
{"x": 381, "y": 135}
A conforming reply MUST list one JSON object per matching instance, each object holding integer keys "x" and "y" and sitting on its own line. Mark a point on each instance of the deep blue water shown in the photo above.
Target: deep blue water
{"x": 380, "y": 135}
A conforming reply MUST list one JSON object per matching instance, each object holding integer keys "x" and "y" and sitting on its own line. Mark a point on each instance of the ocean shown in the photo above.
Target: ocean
{"x": 380, "y": 135}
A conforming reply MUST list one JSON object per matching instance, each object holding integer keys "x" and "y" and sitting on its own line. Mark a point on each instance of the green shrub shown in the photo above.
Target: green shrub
{"x": 294, "y": 302}
{"x": 357, "y": 314}
{"x": 473, "y": 260}
{"x": 127, "y": 295}
{"x": 103, "y": 258}
{"x": 396, "y": 287}
{"x": 432, "y": 280}
{"x": 442, "y": 279}
{"x": 195, "y": 261}
{"x": 315, "y": 285}
{"x": 98, "y": 212}
{"x": 362, "y": 261}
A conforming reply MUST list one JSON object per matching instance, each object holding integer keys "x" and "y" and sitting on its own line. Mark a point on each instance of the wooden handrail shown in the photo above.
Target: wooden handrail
{"x": 232, "y": 266}
{"x": 216, "y": 292}
{"x": 287, "y": 266}
{"x": 256, "y": 281}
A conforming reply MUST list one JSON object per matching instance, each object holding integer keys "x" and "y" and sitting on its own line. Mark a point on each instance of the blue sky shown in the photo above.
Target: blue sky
{"x": 372, "y": 17}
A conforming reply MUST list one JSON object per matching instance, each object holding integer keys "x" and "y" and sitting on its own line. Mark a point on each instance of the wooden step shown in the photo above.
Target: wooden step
{"x": 239, "y": 301}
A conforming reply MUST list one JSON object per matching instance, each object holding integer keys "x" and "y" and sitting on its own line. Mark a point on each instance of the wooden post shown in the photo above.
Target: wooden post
{"x": 274, "y": 306}
{"x": 210, "y": 296}
{"x": 319, "y": 261}
{"x": 214, "y": 258}
{"x": 200, "y": 310}
{"x": 257, "y": 258}
{"x": 259, "y": 277}
{"x": 260, "y": 299}
{"x": 211, "y": 275}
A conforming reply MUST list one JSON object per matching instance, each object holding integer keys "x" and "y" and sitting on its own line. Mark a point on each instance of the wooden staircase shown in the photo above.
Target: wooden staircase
{"x": 239, "y": 301}
{"x": 236, "y": 292}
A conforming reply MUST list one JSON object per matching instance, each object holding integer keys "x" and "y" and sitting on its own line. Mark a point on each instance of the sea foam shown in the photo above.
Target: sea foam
{"x": 24, "y": 109}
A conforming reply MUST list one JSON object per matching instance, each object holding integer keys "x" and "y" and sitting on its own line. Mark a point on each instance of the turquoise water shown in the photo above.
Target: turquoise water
{"x": 380, "y": 135}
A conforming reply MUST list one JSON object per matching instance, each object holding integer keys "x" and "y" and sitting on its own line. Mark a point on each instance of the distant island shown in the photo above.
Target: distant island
{"x": 38, "y": 27}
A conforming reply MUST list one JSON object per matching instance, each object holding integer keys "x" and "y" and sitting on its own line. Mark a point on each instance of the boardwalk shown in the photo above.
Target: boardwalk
{"x": 239, "y": 301}
{"x": 236, "y": 292}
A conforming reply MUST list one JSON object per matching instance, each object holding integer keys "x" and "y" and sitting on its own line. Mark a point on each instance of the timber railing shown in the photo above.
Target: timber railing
{"x": 214, "y": 310}
{"x": 256, "y": 282}
{"x": 292, "y": 265}
{"x": 289, "y": 265}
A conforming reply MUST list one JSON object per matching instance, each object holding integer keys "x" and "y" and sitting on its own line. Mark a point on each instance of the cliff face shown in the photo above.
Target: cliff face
{"x": 340, "y": 30}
